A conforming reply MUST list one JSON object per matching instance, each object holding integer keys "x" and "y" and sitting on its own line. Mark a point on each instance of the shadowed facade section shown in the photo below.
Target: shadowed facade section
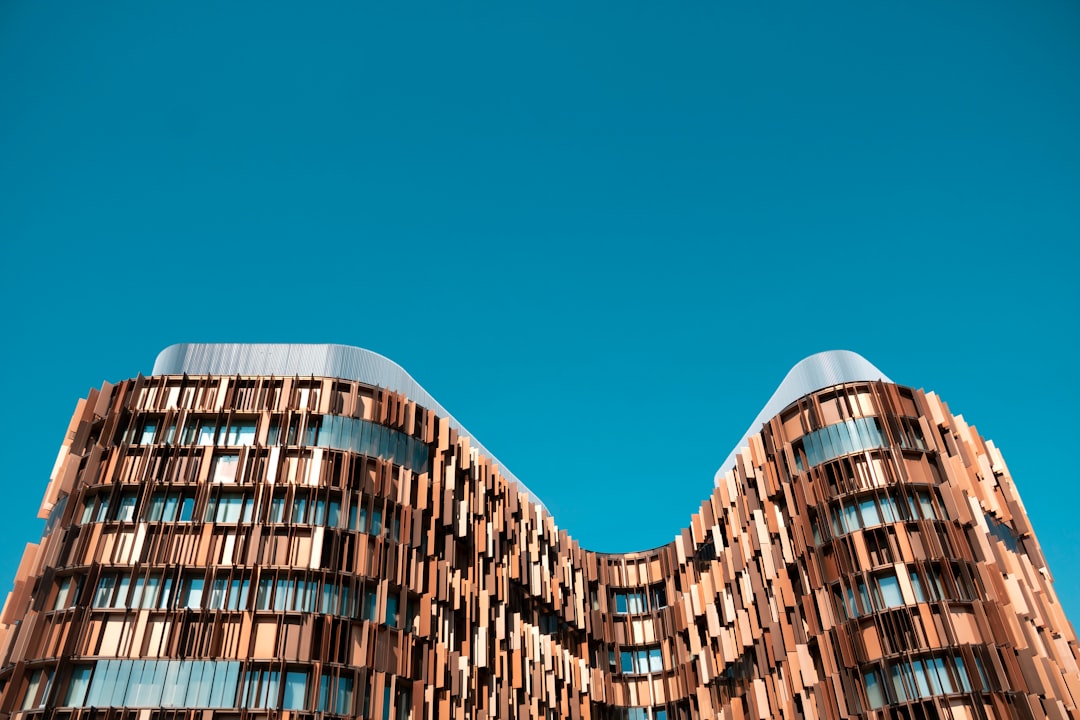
{"x": 243, "y": 543}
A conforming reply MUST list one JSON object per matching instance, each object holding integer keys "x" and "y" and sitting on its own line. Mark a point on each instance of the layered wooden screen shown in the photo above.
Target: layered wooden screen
{"x": 243, "y": 547}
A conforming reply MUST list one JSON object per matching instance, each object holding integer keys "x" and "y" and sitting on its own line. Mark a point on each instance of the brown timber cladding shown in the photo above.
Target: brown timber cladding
{"x": 894, "y": 578}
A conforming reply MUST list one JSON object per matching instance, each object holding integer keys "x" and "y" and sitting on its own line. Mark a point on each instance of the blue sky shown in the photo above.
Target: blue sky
{"x": 598, "y": 235}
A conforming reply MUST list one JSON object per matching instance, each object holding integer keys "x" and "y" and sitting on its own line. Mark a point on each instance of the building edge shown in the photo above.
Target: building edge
{"x": 866, "y": 556}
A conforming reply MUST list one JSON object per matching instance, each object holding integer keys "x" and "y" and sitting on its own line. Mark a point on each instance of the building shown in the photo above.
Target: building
{"x": 262, "y": 531}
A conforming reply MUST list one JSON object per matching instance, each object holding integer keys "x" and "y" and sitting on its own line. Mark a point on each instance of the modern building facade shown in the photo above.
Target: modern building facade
{"x": 262, "y": 531}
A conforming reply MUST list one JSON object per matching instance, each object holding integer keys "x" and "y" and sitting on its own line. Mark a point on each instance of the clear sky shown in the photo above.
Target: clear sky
{"x": 599, "y": 233}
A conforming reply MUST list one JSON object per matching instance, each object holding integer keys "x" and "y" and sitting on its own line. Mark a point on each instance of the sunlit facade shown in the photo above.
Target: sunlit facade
{"x": 260, "y": 531}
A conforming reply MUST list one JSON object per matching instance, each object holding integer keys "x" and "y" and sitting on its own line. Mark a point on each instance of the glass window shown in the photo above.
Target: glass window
{"x": 261, "y": 688}
{"x": 294, "y": 696}
{"x": 123, "y": 682}
{"x": 229, "y": 508}
{"x": 641, "y": 661}
{"x": 177, "y": 679}
{"x": 916, "y": 586}
{"x": 168, "y": 508}
{"x": 146, "y": 435}
{"x": 102, "y": 508}
{"x": 241, "y": 432}
{"x": 264, "y": 593}
{"x": 67, "y": 592}
{"x": 852, "y": 606}
{"x": 238, "y": 593}
{"x": 961, "y": 674}
{"x": 888, "y": 510}
{"x": 77, "y": 687}
{"x": 346, "y": 607}
{"x": 282, "y": 594}
{"x": 899, "y": 687}
{"x": 224, "y": 468}
{"x": 927, "y": 678}
{"x": 157, "y": 507}
{"x": 146, "y": 592}
{"x": 392, "y": 610}
{"x": 933, "y": 577}
{"x": 864, "y": 598}
{"x": 840, "y": 439}
{"x": 125, "y": 511}
{"x": 875, "y": 692}
{"x": 277, "y": 508}
{"x": 203, "y": 432}
{"x": 370, "y": 603}
{"x": 102, "y": 683}
{"x": 165, "y": 596}
{"x": 37, "y": 689}
{"x": 851, "y": 517}
{"x": 325, "y": 703}
{"x": 926, "y": 508}
{"x": 219, "y": 590}
{"x": 889, "y": 588}
{"x": 868, "y": 509}
{"x": 104, "y": 595}
{"x": 198, "y": 691}
{"x": 343, "y": 696}
{"x": 138, "y": 691}
{"x": 192, "y": 593}
{"x": 226, "y": 679}
{"x": 299, "y": 509}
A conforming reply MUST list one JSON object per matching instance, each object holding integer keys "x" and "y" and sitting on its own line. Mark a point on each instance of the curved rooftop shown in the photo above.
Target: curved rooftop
{"x": 352, "y": 363}
{"x": 822, "y": 370}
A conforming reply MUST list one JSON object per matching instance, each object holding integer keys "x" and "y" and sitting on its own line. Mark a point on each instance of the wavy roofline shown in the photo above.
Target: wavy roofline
{"x": 813, "y": 373}
{"x": 818, "y": 371}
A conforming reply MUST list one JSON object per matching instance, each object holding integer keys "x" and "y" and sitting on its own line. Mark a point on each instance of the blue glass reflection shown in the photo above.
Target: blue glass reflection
{"x": 155, "y": 683}
{"x": 840, "y": 439}
{"x": 364, "y": 437}
{"x": 368, "y": 438}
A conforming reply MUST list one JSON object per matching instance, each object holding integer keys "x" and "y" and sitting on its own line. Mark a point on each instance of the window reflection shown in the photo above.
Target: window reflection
{"x": 917, "y": 679}
{"x": 154, "y": 683}
{"x": 836, "y": 440}
{"x": 638, "y": 661}
{"x": 894, "y": 505}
